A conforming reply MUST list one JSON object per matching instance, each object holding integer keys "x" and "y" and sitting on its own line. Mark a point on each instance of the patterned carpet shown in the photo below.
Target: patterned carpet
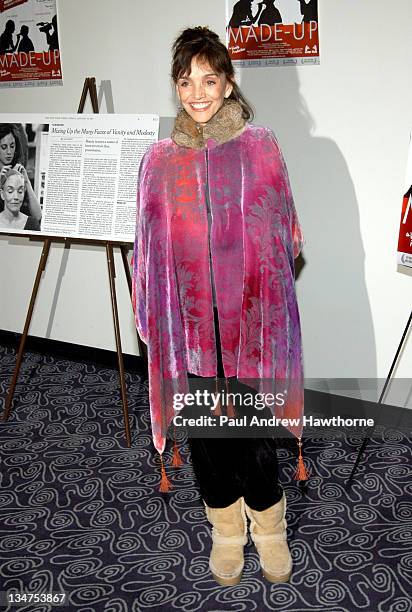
{"x": 80, "y": 513}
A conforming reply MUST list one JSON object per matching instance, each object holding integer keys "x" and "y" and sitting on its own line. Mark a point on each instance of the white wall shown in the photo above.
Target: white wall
{"x": 344, "y": 129}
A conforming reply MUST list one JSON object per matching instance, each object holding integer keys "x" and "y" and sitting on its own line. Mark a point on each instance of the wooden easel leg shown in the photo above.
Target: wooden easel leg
{"x": 112, "y": 275}
{"x": 41, "y": 267}
{"x": 141, "y": 345}
{"x": 89, "y": 87}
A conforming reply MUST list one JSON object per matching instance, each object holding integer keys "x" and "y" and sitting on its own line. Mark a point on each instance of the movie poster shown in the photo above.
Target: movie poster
{"x": 29, "y": 43}
{"x": 405, "y": 227}
{"x": 272, "y": 32}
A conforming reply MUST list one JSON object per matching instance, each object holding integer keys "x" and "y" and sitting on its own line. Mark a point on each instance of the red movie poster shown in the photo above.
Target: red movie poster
{"x": 272, "y": 32}
{"x": 29, "y": 43}
{"x": 9, "y": 4}
{"x": 405, "y": 226}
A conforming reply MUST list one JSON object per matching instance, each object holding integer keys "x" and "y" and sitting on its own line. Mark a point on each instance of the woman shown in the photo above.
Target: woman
{"x": 213, "y": 292}
{"x": 7, "y": 44}
{"x": 242, "y": 14}
{"x": 11, "y": 156}
{"x": 269, "y": 14}
{"x": 12, "y": 193}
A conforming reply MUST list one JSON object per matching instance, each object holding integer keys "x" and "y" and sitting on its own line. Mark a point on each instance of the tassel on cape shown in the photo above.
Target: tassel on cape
{"x": 177, "y": 460}
{"x": 301, "y": 472}
{"x": 165, "y": 484}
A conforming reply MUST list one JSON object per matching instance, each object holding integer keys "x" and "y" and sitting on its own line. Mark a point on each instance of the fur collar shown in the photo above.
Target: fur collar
{"x": 226, "y": 124}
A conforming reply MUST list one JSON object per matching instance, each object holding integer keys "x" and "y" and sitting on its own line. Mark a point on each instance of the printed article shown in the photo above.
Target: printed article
{"x": 82, "y": 178}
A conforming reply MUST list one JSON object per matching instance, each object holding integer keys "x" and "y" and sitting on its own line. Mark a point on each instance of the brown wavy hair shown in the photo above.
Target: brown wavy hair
{"x": 204, "y": 44}
{"x": 12, "y": 128}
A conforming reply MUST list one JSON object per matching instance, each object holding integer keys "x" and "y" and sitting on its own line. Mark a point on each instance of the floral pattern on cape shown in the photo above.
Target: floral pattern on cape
{"x": 254, "y": 239}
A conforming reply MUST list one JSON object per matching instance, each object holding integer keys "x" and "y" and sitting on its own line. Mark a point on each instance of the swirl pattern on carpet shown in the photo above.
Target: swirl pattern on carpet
{"x": 81, "y": 513}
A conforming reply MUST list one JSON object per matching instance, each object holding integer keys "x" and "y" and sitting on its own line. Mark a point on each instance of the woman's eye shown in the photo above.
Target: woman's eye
{"x": 183, "y": 83}
{"x": 211, "y": 82}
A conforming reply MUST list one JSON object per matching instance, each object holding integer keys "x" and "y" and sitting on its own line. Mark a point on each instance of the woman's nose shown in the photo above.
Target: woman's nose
{"x": 199, "y": 91}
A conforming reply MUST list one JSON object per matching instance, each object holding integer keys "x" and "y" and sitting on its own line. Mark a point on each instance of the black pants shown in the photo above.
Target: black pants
{"x": 229, "y": 468}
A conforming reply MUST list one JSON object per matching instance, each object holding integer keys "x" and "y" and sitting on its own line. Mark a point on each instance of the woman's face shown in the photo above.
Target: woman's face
{"x": 203, "y": 91}
{"x": 13, "y": 193}
{"x": 7, "y": 149}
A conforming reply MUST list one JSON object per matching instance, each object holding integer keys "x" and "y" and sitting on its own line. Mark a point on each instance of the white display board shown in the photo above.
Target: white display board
{"x": 72, "y": 175}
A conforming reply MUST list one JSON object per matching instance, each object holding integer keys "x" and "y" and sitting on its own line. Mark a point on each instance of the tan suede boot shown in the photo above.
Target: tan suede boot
{"x": 228, "y": 537}
{"x": 268, "y": 532}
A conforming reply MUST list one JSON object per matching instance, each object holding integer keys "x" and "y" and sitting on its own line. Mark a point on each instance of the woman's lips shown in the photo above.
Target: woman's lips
{"x": 201, "y": 106}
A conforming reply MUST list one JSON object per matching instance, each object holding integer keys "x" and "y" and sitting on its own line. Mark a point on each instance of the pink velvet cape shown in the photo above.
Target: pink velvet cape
{"x": 254, "y": 239}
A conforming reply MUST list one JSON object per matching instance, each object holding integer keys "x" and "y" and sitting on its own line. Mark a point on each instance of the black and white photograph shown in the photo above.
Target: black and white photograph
{"x": 20, "y": 204}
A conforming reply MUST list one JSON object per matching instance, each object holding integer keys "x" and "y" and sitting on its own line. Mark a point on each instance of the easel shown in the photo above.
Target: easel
{"x": 382, "y": 395}
{"x": 88, "y": 88}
